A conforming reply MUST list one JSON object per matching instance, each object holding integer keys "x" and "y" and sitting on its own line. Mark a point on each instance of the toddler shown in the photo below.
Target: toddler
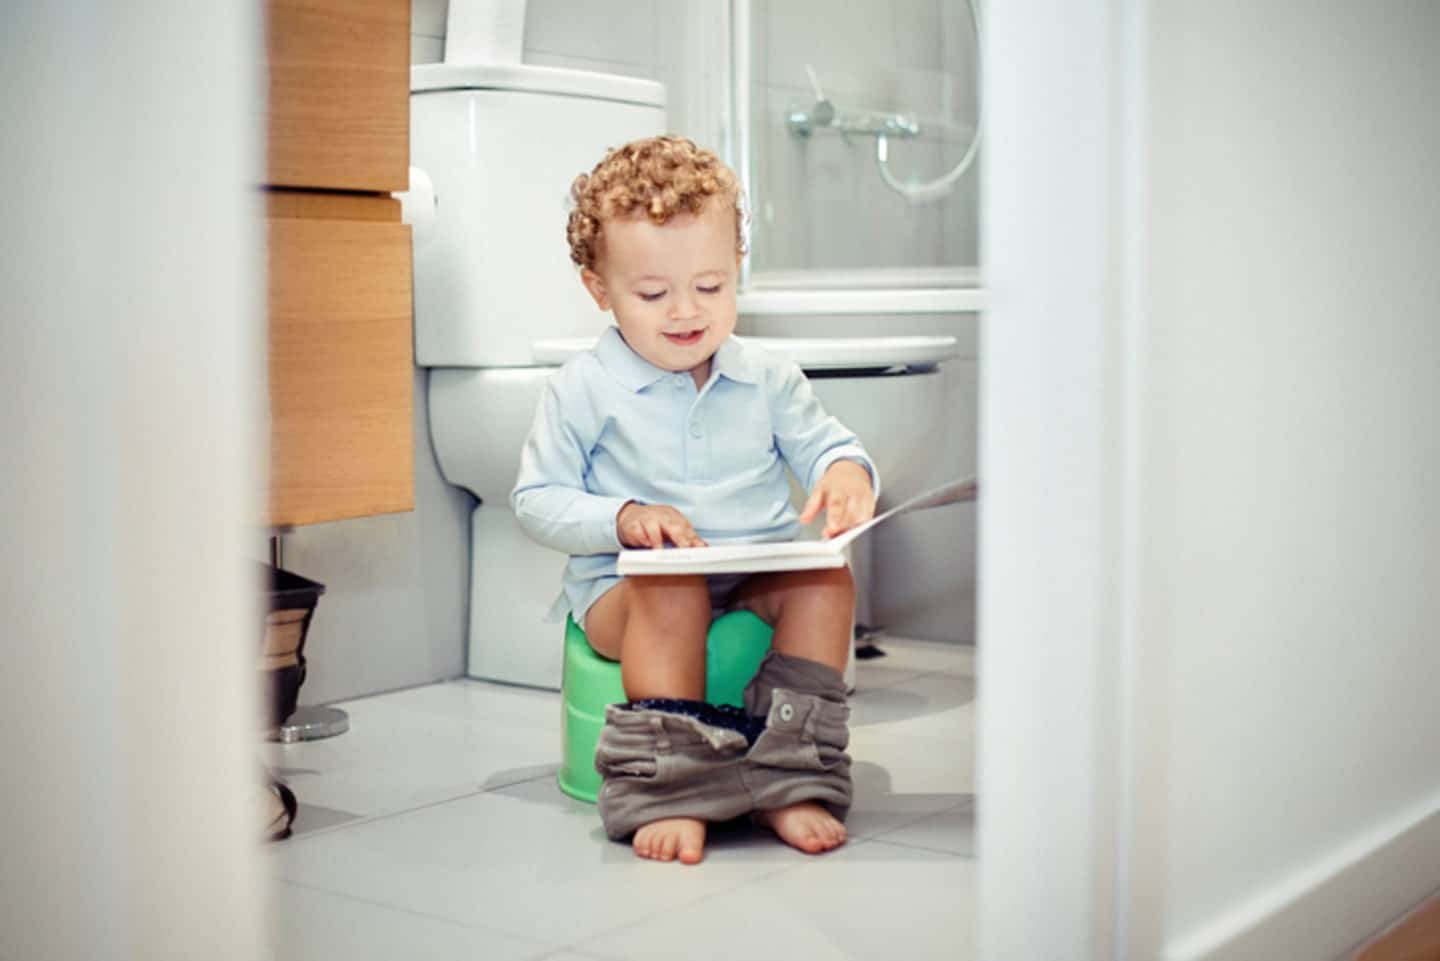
{"x": 670, "y": 431}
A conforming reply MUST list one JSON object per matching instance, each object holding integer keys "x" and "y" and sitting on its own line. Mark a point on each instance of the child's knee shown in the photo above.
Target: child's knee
{"x": 840, "y": 580}
{"x": 678, "y": 596}
{"x": 832, "y": 586}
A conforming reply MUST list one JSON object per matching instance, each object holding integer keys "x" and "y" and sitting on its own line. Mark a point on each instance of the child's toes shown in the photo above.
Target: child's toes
{"x": 822, "y": 829}
{"x": 811, "y": 840}
{"x": 667, "y": 839}
{"x": 691, "y": 853}
{"x": 649, "y": 842}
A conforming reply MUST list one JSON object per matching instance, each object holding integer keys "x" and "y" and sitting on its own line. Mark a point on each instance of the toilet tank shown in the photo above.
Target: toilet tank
{"x": 500, "y": 146}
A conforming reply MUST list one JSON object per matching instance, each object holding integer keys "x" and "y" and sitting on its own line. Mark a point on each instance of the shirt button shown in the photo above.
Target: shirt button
{"x": 695, "y": 430}
{"x": 787, "y": 712}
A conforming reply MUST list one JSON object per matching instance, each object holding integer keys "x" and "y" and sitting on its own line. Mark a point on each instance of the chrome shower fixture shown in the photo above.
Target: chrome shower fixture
{"x": 884, "y": 127}
{"x": 823, "y": 116}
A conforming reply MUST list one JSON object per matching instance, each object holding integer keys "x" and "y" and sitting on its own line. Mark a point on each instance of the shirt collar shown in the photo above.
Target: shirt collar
{"x": 637, "y": 373}
{"x": 628, "y": 367}
{"x": 734, "y": 361}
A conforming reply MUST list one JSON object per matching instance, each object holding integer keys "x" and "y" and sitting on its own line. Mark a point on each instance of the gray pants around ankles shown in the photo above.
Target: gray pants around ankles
{"x": 801, "y": 756}
{"x": 659, "y": 763}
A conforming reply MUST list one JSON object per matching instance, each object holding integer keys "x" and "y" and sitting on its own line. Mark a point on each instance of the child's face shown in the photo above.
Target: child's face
{"x": 671, "y": 286}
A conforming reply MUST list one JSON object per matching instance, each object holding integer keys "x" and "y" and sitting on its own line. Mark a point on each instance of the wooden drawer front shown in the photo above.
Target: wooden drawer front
{"x": 341, "y": 370}
{"x": 339, "y": 94}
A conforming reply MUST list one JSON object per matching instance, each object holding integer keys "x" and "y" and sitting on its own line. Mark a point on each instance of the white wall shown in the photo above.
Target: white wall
{"x": 1210, "y": 428}
{"x": 427, "y": 30}
{"x": 131, "y": 339}
{"x": 1291, "y": 430}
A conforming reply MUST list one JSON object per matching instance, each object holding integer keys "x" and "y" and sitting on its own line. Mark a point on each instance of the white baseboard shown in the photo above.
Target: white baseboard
{"x": 1326, "y": 910}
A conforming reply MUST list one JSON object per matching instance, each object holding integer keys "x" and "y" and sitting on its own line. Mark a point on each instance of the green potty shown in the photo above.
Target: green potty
{"x": 736, "y": 644}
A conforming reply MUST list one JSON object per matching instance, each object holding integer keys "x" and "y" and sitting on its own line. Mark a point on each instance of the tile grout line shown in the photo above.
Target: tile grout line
{"x": 920, "y": 847}
{"x": 410, "y": 912}
{"x": 911, "y": 822}
{"x": 919, "y": 675}
{"x": 373, "y": 818}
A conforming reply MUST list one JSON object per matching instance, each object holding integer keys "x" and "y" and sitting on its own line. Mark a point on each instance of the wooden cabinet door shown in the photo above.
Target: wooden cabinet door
{"x": 339, "y": 94}
{"x": 341, "y": 369}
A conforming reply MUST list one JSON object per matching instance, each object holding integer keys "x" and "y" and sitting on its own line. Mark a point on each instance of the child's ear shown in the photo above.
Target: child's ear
{"x": 596, "y": 285}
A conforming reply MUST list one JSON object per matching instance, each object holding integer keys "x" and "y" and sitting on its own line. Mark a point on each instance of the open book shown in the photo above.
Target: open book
{"x": 781, "y": 555}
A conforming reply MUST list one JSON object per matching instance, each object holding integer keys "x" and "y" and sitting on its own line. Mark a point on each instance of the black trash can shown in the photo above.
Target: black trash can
{"x": 290, "y": 603}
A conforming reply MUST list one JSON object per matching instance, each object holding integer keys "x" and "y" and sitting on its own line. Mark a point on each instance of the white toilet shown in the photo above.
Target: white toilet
{"x": 498, "y": 307}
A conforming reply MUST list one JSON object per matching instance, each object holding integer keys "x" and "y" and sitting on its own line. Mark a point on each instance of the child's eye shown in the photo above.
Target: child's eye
{"x": 709, "y": 290}
{"x": 650, "y": 297}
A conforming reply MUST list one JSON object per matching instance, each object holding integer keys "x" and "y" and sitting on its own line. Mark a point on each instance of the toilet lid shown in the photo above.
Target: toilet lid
{"x": 527, "y": 78}
{"x": 811, "y": 353}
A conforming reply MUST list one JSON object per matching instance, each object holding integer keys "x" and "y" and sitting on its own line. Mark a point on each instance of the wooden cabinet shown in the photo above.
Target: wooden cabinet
{"x": 340, "y": 357}
{"x": 339, "y": 73}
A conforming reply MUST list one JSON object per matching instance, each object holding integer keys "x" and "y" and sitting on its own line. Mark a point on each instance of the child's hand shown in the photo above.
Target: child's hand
{"x": 650, "y": 525}
{"x": 845, "y": 493}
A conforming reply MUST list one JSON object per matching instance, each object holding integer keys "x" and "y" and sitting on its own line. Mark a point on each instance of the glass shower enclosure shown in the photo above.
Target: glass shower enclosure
{"x": 856, "y": 134}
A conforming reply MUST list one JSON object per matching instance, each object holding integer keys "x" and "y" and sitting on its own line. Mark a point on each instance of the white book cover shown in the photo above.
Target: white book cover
{"x": 781, "y": 555}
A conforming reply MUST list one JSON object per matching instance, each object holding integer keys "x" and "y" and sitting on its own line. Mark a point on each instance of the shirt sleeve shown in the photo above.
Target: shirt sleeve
{"x": 809, "y": 439}
{"x": 549, "y": 500}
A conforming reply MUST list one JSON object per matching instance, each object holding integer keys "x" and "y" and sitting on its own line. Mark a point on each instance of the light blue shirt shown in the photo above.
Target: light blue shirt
{"x": 613, "y": 428}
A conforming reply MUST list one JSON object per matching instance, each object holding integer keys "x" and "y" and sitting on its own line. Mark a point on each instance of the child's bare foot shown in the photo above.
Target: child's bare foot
{"x": 666, "y": 839}
{"x": 806, "y": 826}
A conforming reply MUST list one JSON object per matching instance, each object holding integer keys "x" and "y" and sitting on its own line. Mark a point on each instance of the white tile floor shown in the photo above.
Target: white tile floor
{"x": 434, "y": 829}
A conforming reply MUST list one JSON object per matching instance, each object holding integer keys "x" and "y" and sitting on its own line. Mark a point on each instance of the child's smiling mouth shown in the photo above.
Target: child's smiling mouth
{"x": 687, "y": 338}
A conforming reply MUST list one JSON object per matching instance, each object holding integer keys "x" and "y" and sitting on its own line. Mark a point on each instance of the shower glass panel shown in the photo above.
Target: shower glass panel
{"x": 819, "y": 84}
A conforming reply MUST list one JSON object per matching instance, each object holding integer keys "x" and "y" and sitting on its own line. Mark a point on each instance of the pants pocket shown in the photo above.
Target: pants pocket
{"x": 801, "y": 756}
{"x": 626, "y": 750}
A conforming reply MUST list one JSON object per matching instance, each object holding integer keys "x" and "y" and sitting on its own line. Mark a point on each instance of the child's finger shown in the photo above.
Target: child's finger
{"x": 851, "y": 513}
{"x": 813, "y": 505}
{"x": 680, "y": 533}
{"x": 837, "y": 513}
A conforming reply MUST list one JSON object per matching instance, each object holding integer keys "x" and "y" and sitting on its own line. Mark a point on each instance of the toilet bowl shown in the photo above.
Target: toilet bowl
{"x": 498, "y": 308}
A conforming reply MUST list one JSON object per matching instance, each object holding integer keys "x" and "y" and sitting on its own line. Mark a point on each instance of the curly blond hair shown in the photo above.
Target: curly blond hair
{"x": 659, "y": 177}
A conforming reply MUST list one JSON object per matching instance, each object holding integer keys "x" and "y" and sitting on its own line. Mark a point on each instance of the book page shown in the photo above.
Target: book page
{"x": 952, "y": 492}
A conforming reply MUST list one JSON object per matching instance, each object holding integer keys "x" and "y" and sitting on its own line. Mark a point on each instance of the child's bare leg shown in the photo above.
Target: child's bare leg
{"x": 656, "y": 627}
{"x": 811, "y": 613}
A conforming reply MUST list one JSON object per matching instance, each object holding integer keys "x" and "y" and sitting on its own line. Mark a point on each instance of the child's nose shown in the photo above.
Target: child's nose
{"x": 684, "y": 305}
